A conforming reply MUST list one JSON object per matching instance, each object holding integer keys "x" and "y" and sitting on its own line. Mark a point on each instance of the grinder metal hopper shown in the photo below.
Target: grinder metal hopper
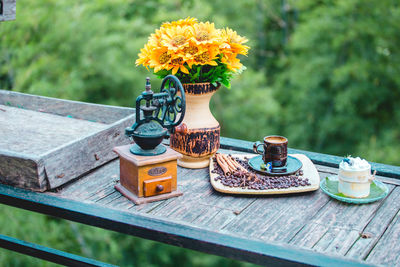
{"x": 157, "y": 116}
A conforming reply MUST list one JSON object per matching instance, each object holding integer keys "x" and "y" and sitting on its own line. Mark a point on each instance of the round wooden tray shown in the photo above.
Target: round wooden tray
{"x": 309, "y": 171}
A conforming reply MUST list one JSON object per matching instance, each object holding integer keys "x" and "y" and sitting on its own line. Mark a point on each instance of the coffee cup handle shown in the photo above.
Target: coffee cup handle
{"x": 255, "y": 147}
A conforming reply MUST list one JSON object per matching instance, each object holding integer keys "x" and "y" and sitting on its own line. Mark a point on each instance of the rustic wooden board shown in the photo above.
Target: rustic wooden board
{"x": 377, "y": 226}
{"x": 338, "y": 227}
{"x": 9, "y": 10}
{"x": 47, "y": 142}
{"x": 387, "y": 250}
{"x": 385, "y": 233}
{"x": 33, "y": 133}
{"x": 308, "y": 168}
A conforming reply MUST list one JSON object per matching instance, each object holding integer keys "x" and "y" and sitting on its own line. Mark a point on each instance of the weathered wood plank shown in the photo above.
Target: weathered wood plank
{"x": 8, "y": 10}
{"x": 121, "y": 203}
{"x": 387, "y": 250}
{"x": 193, "y": 187}
{"x": 309, "y": 235}
{"x": 88, "y": 185}
{"x": 336, "y": 227}
{"x": 348, "y": 216}
{"x": 84, "y": 154}
{"x": 65, "y": 108}
{"x": 103, "y": 191}
{"x": 61, "y": 146}
{"x": 289, "y": 223}
{"x": 35, "y": 133}
{"x": 199, "y": 199}
{"x": 229, "y": 202}
{"x": 253, "y": 220}
{"x": 109, "y": 198}
{"x": 31, "y": 175}
{"x": 277, "y": 218}
{"x": 377, "y": 226}
{"x": 336, "y": 241}
{"x": 215, "y": 218}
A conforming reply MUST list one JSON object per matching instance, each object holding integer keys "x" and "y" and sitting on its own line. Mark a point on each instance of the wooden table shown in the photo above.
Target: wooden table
{"x": 308, "y": 228}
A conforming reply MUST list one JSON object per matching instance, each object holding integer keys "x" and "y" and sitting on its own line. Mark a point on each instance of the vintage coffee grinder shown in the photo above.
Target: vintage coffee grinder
{"x": 148, "y": 169}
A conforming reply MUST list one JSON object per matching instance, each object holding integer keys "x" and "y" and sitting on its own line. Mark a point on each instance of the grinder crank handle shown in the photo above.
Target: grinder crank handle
{"x": 181, "y": 129}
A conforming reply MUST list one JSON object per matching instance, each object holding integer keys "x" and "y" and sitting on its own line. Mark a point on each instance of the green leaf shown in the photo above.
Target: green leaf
{"x": 226, "y": 83}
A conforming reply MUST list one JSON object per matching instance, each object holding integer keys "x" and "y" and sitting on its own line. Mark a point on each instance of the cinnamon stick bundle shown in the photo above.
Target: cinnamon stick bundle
{"x": 221, "y": 162}
{"x": 228, "y": 164}
{"x": 231, "y": 167}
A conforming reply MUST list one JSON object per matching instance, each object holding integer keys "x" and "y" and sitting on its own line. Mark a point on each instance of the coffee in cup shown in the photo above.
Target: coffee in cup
{"x": 274, "y": 150}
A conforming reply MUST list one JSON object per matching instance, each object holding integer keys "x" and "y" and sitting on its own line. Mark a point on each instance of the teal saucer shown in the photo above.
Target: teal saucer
{"x": 378, "y": 191}
{"x": 292, "y": 166}
{"x": 137, "y": 150}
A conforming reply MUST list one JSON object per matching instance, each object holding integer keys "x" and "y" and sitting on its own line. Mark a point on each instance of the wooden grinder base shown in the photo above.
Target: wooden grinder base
{"x": 145, "y": 179}
{"x": 142, "y": 200}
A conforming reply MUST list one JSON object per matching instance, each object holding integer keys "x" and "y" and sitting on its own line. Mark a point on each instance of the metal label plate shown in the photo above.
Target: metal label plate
{"x": 156, "y": 171}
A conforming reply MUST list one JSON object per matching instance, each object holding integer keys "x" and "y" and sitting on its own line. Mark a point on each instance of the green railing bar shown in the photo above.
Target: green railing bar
{"x": 48, "y": 254}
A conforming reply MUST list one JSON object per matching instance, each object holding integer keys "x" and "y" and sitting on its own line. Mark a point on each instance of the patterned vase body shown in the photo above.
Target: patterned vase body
{"x": 200, "y": 140}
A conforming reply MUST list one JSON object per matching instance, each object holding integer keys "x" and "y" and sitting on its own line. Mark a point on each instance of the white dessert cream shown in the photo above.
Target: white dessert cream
{"x": 354, "y": 177}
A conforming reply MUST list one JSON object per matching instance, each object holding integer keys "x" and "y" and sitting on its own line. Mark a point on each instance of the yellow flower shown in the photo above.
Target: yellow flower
{"x": 234, "y": 42}
{"x": 206, "y": 56}
{"x": 205, "y": 33}
{"x": 190, "y": 50}
{"x": 176, "y": 37}
{"x": 232, "y": 62}
{"x": 144, "y": 56}
{"x": 155, "y": 38}
{"x": 182, "y": 22}
{"x": 159, "y": 59}
{"x": 177, "y": 64}
{"x": 188, "y": 53}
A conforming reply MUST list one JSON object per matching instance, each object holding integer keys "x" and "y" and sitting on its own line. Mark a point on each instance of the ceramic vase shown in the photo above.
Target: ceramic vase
{"x": 198, "y": 136}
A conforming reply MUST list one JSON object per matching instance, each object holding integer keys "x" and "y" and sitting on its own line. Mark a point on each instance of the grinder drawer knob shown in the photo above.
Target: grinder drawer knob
{"x": 159, "y": 188}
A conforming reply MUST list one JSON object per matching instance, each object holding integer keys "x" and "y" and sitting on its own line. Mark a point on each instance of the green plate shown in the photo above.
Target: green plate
{"x": 329, "y": 186}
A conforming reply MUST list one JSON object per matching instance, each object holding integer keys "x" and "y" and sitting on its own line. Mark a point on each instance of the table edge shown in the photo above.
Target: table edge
{"x": 178, "y": 234}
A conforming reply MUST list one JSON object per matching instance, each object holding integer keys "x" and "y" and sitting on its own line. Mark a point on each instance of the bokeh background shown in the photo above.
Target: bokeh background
{"x": 324, "y": 73}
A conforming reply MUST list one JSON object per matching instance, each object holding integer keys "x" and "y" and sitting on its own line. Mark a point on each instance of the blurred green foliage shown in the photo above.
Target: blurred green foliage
{"x": 341, "y": 80}
{"x": 323, "y": 73}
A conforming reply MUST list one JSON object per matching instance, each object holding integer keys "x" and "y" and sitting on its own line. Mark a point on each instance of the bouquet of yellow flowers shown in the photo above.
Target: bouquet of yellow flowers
{"x": 194, "y": 51}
